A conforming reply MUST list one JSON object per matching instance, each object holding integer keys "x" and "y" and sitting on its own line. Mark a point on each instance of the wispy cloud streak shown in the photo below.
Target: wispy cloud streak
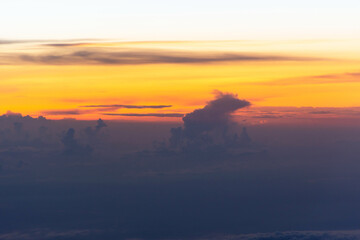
{"x": 138, "y": 57}
{"x": 127, "y": 106}
{"x": 175, "y": 115}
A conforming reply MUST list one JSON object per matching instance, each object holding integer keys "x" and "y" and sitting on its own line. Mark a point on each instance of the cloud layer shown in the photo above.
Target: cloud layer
{"x": 78, "y": 52}
{"x": 175, "y": 115}
{"x": 117, "y": 106}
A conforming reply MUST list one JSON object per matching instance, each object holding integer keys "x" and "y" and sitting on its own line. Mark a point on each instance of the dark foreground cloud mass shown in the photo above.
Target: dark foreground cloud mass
{"x": 206, "y": 178}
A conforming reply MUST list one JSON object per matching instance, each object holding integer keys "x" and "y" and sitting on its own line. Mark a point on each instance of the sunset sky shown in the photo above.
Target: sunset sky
{"x": 151, "y": 59}
{"x": 179, "y": 119}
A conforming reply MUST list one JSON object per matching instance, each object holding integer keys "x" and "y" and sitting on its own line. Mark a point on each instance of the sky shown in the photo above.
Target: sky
{"x": 57, "y": 57}
{"x": 179, "y": 120}
{"x": 179, "y": 20}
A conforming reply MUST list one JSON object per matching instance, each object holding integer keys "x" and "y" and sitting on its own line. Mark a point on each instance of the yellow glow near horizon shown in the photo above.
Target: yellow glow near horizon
{"x": 35, "y": 88}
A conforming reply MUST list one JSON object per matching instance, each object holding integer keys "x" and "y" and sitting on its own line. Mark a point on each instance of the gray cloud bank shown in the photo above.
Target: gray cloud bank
{"x": 206, "y": 178}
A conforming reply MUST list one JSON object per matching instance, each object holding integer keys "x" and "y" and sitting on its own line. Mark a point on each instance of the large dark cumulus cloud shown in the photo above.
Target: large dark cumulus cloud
{"x": 211, "y": 127}
{"x": 216, "y": 114}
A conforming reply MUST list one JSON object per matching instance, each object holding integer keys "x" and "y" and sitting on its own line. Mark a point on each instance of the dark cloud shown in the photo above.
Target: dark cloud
{"x": 71, "y": 145}
{"x": 321, "y": 112}
{"x": 63, "y": 112}
{"x": 134, "y": 57}
{"x": 291, "y": 235}
{"x": 307, "y": 170}
{"x": 92, "y": 132}
{"x": 117, "y": 106}
{"x": 209, "y": 126}
{"x": 18, "y": 127}
{"x": 100, "y": 124}
{"x": 100, "y": 108}
{"x": 216, "y": 114}
{"x": 10, "y": 113}
{"x": 176, "y": 115}
{"x": 206, "y": 133}
{"x": 267, "y": 116}
{"x": 64, "y": 44}
{"x": 36, "y": 234}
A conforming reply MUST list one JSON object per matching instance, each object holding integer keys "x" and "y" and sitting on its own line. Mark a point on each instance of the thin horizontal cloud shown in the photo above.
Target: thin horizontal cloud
{"x": 64, "y": 44}
{"x": 117, "y": 106}
{"x": 321, "y": 112}
{"x": 175, "y": 115}
{"x": 3, "y": 42}
{"x": 100, "y": 109}
{"x": 49, "y": 42}
{"x": 299, "y": 112}
{"x": 319, "y": 79}
{"x": 355, "y": 74}
{"x": 64, "y": 112}
{"x": 298, "y": 235}
{"x": 137, "y": 57}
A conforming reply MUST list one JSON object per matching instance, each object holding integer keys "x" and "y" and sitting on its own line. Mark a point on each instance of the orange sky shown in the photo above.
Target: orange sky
{"x": 44, "y": 78}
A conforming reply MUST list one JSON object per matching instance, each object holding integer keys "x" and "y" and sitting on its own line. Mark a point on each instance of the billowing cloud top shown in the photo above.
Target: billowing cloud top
{"x": 215, "y": 114}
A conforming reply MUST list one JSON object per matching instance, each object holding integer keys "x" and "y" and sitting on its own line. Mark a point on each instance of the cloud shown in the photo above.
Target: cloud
{"x": 63, "y": 112}
{"x": 318, "y": 79}
{"x": 211, "y": 127}
{"x": 10, "y": 113}
{"x": 136, "y": 57}
{"x": 4, "y": 41}
{"x": 321, "y": 112}
{"x": 50, "y": 43}
{"x": 92, "y": 132}
{"x": 291, "y": 235}
{"x": 100, "y": 108}
{"x": 36, "y": 234}
{"x": 227, "y": 194}
{"x": 64, "y": 44}
{"x": 100, "y": 124}
{"x": 216, "y": 114}
{"x": 117, "y": 106}
{"x": 175, "y": 115}
{"x": 71, "y": 145}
